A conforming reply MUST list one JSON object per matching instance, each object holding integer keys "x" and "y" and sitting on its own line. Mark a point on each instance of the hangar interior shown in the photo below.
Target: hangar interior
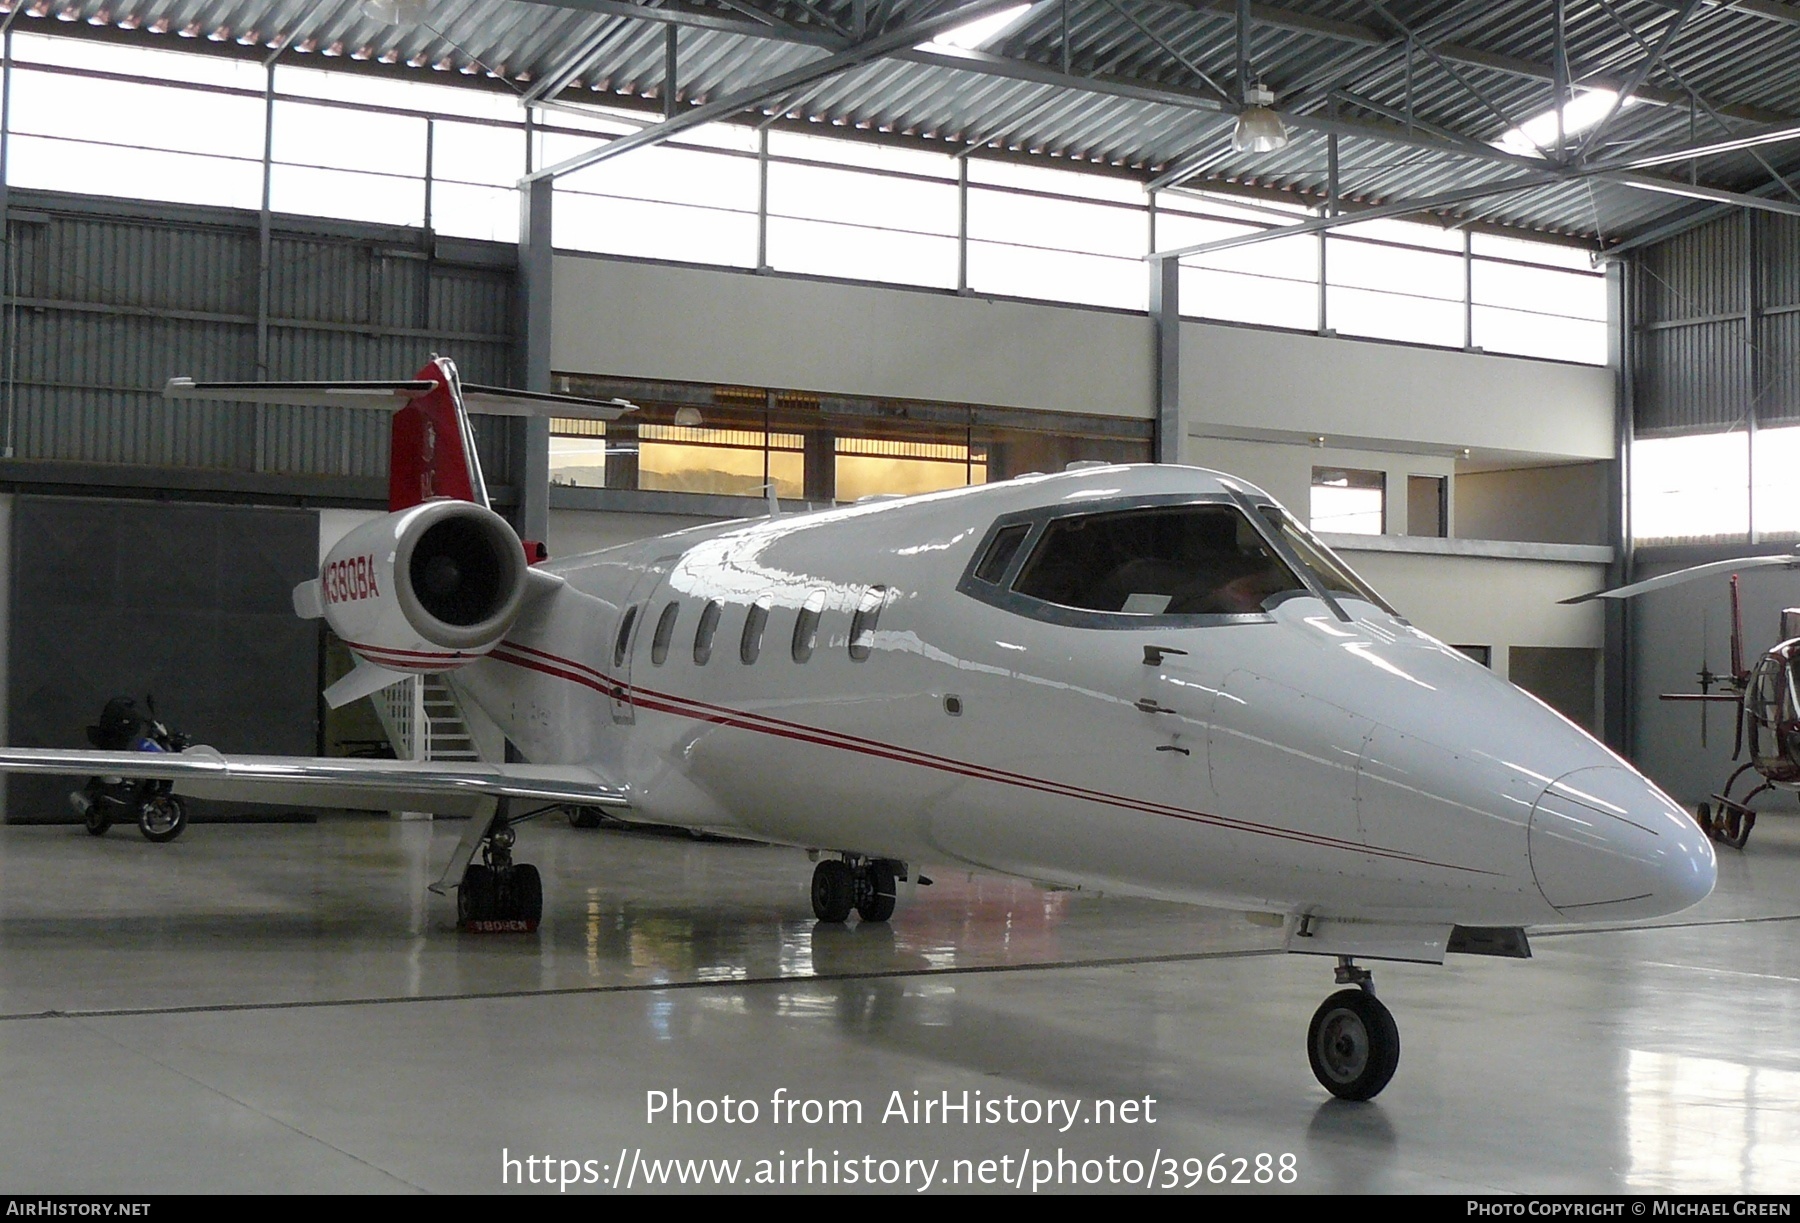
{"x": 1510, "y": 312}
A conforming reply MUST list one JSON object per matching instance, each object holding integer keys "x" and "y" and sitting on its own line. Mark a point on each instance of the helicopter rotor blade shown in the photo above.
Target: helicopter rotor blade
{"x": 1683, "y": 576}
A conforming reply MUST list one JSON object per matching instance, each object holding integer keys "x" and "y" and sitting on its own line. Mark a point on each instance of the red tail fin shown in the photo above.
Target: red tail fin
{"x": 433, "y": 449}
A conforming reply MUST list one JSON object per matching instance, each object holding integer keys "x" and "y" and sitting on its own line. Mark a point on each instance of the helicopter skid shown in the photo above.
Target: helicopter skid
{"x": 1729, "y": 823}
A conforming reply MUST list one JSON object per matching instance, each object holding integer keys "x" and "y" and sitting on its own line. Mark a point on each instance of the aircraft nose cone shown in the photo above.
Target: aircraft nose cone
{"x": 1606, "y": 844}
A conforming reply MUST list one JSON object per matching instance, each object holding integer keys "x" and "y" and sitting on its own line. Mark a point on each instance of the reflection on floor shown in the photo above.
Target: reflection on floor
{"x": 270, "y": 1008}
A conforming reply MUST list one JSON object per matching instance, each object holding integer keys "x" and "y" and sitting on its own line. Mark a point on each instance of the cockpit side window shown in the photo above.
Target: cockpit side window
{"x": 1001, "y": 551}
{"x": 1177, "y": 560}
{"x": 1332, "y": 574}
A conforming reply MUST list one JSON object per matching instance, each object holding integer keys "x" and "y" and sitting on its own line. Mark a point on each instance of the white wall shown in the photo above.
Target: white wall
{"x": 653, "y": 321}
{"x": 1284, "y": 470}
{"x": 1249, "y": 382}
{"x": 656, "y": 321}
{"x": 1565, "y": 504}
{"x": 1491, "y": 601}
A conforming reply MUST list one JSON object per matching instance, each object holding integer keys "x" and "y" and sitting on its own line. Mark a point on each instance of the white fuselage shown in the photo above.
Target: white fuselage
{"x": 1321, "y": 757}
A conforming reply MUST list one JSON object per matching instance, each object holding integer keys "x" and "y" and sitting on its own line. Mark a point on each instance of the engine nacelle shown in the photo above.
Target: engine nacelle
{"x": 429, "y": 588}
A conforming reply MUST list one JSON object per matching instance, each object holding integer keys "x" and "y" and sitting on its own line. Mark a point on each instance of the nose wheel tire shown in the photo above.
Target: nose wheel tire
{"x": 1353, "y": 1044}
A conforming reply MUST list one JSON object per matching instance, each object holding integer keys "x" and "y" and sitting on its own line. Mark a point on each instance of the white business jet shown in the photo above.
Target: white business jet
{"x": 1148, "y": 680}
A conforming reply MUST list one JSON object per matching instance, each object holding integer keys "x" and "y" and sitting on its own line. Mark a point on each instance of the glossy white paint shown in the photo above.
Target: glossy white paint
{"x": 1301, "y": 762}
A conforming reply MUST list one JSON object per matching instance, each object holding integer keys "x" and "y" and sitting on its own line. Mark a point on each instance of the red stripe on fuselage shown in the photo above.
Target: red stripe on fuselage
{"x": 575, "y": 672}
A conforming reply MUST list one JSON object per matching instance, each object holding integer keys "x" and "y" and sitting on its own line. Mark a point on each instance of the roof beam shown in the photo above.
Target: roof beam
{"x": 1175, "y": 55}
{"x": 1624, "y": 175}
{"x": 853, "y": 57}
{"x": 1692, "y": 219}
{"x": 1639, "y": 75}
{"x": 1768, "y": 10}
{"x": 1417, "y": 136}
{"x": 1446, "y": 199}
{"x": 677, "y": 12}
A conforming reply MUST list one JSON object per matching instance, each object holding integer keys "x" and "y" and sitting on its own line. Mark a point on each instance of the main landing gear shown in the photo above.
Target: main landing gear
{"x": 1353, "y": 1042}
{"x": 867, "y": 885}
{"x": 497, "y": 894}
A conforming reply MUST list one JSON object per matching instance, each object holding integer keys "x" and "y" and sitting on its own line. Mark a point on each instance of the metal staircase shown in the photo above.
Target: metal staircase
{"x": 447, "y": 734}
{"x": 424, "y": 722}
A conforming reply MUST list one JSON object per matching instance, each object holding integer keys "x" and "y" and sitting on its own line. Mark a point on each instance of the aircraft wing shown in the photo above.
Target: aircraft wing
{"x": 446, "y": 789}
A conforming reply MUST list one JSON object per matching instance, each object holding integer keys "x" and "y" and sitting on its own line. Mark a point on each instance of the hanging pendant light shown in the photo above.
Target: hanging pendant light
{"x": 1259, "y": 129}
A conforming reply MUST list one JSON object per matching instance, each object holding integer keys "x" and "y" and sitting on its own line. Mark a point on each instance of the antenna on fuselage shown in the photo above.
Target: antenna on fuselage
{"x": 774, "y": 502}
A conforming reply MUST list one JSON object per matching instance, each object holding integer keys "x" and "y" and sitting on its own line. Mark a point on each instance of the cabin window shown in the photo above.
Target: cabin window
{"x": 622, "y": 644}
{"x": 750, "y": 645}
{"x": 862, "y": 624}
{"x": 1165, "y": 560}
{"x": 703, "y": 634}
{"x": 806, "y": 626}
{"x": 1000, "y": 553}
{"x": 665, "y": 631}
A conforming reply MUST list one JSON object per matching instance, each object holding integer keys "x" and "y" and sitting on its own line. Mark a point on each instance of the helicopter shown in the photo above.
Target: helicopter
{"x": 1766, "y": 695}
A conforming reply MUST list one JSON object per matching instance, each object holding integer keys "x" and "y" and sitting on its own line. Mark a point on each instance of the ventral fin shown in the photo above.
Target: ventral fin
{"x": 366, "y": 678}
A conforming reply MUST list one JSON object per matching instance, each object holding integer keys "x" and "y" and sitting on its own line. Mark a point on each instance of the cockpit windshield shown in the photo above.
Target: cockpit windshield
{"x": 1164, "y": 560}
{"x": 1331, "y": 573}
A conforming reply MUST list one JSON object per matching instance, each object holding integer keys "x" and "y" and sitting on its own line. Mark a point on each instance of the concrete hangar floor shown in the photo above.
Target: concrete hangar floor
{"x": 265, "y": 1008}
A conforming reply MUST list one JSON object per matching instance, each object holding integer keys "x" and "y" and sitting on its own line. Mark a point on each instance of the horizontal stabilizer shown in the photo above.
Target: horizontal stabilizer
{"x": 365, "y": 679}
{"x": 393, "y": 395}
{"x": 1683, "y": 576}
{"x": 387, "y": 394}
{"x": 427, "y": 785}
{"x": 498, "y": 401}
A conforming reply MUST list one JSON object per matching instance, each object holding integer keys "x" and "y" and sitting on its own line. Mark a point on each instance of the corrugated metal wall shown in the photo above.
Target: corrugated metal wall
{"x": 109, "y": 300}
{"x": 1718, "y": 326}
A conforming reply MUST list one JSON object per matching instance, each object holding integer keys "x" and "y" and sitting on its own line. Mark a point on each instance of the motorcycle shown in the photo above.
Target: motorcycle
{"x": 158, "y": 812}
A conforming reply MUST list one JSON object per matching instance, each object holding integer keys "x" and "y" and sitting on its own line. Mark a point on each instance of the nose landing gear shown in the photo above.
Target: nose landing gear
{"x": 1353, "y": 1042}
{"x": 866, "y": 885}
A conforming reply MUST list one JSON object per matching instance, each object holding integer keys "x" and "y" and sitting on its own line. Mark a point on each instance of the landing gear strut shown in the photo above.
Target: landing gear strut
{"x": 497, "y": 894}
{"x": 864, "y": 884}
{"x": 1731, "y": 821}
{"x": 1353, "y": 1042}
